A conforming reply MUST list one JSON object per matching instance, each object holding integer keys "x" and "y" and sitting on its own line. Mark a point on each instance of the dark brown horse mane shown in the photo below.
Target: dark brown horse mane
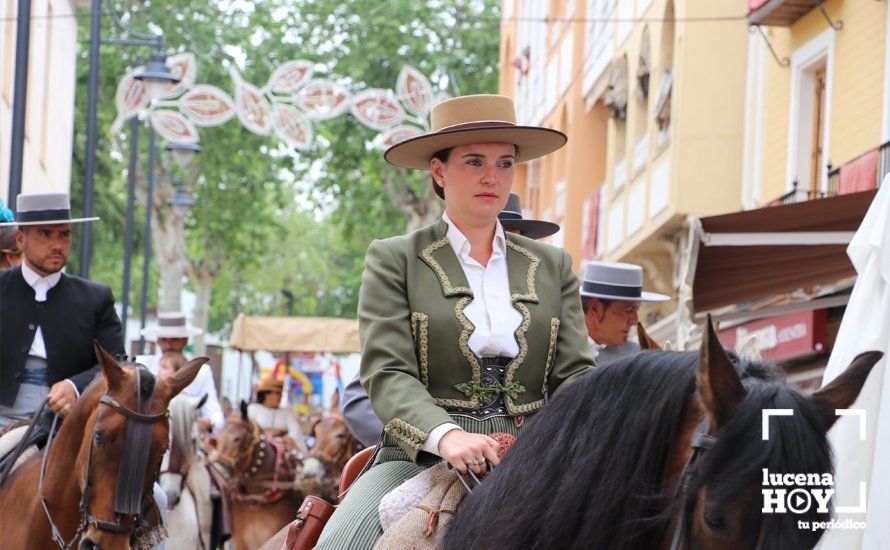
{"x": 589, "y": 472}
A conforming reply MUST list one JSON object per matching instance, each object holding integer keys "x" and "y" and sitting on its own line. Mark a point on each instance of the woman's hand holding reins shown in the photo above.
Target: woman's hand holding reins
{"x": 467, "y": 450}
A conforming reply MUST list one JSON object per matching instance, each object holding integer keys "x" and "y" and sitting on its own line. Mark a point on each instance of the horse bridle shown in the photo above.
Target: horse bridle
{"x": 682, "y": 536}
{"x": 128, "y": 501}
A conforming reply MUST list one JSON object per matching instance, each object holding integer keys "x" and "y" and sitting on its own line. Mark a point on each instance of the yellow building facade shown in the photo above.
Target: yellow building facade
{"x": 651, "y": 94}
{"x": 817, "y": 96}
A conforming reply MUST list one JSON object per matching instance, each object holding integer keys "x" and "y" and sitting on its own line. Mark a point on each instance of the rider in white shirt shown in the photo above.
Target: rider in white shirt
{"x": 172, "y": 334}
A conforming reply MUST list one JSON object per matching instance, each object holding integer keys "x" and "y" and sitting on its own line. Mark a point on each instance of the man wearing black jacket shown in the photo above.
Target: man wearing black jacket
{"x": 48, "y": 319}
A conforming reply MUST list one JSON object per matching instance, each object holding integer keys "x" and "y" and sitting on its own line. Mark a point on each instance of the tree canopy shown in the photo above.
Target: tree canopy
{"x": 266, "y": 217}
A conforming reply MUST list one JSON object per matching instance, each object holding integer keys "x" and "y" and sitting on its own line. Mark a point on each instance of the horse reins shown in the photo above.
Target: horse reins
{"x": 124, "y": 485}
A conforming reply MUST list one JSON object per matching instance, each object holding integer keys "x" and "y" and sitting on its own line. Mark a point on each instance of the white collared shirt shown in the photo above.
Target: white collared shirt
{"x": 41, "y": 286}
{"x": 491, "y": 311}
{"x": 594, "y": 347}
{"x": 201, "y": 385}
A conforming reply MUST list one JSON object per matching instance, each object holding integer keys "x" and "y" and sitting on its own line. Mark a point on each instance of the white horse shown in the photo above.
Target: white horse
{"x": 185, "y": 480}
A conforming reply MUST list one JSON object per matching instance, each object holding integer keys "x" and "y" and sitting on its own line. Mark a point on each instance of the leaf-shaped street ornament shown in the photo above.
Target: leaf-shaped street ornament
{"x": 173, "y": 126}
{"x": 292, "y": 127}
{"x": 130, "y": 97}
{"x": 131, "y": 94}
{"x": 253, "y": 109}
{"x": 397, "y": 135}
{"x": 322, "y": 99}
{"x": 377, "y": 109}
{"x": 288, "y": 78}
{"x": 415, "y": 91}
{"x": 207, "y": 105}
{"x": 184, "y": 66}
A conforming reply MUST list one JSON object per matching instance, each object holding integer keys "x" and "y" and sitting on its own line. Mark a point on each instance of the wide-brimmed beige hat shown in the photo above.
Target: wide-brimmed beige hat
{"x": 474, "y": 119}
{"x": 171, "y": 325}
{"x": 269, "y": 384}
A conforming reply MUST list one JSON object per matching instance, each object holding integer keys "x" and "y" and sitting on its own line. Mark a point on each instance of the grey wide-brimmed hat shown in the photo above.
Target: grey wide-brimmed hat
{"x": 44, "y": 209}
{"x": 511, "y": 218}
{"x": 171, "y": 325}
{"x": 617, "y": 281}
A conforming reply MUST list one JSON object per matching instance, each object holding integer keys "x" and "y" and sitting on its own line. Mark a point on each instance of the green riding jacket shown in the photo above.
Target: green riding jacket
{"x": 415, "y": 358}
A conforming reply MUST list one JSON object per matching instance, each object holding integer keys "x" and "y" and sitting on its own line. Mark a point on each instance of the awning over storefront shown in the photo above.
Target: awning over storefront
{"x": 295, "y": 334}
{"x": 757, "y": 253}
{"x": 778, "y": 13}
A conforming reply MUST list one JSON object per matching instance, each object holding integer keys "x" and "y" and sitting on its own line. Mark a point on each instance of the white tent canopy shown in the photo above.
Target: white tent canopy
{"x": 865, "y": 327}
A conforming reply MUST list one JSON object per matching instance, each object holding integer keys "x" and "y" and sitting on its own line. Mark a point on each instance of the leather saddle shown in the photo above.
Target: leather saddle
{"x": 353, "y": 469}
{"x": 37, "y": 434}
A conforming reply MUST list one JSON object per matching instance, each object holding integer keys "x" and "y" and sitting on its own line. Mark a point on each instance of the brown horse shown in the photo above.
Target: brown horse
{"x": 100, "y": 467}
{"x": 334, "y": 446}
{"x": 663, "y": 450}
{"x": 263, "y": 494}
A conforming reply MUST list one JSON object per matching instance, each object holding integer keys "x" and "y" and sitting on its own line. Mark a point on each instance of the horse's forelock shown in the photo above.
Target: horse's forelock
{"x": 796, "y": 445}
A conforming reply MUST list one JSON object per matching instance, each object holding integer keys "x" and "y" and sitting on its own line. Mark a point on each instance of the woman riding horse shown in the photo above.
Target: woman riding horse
{"x": 466, "y": 330}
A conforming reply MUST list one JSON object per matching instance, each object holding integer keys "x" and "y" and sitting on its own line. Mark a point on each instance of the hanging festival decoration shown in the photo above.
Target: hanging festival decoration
{"x": 207, "y": 105}
{"x": 286, "y": 106}
{"x": 377, "y": 109}
{"x": 322, "y": 99}
{"x": 396, "y": 135}
{"x": 415, "y": 91}
{"x": 185, "y": 67}
{"x": 292, "y": 127}
{"x": 173, "y": 126}
{"x": 290, "y": 77}
{"x": 131, "y": 96}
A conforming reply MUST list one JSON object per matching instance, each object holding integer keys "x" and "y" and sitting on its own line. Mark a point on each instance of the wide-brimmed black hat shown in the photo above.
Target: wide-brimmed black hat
{"x": 44, "y": 209}
{"x": 511, "y": 218}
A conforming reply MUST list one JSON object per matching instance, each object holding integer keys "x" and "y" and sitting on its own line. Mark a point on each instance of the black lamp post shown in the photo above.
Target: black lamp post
{"x": 182, "y": 200}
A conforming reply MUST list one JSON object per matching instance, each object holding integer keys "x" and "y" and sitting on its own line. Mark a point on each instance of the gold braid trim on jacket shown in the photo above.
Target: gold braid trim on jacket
{"x": 406, "y": 433}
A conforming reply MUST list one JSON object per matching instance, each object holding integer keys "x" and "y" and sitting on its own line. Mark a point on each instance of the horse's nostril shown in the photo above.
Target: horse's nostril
{"x": 87, "y": 544}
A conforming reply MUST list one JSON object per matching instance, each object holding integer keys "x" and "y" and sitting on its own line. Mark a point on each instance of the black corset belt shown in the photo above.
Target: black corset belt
{"x": 491, "y": 391}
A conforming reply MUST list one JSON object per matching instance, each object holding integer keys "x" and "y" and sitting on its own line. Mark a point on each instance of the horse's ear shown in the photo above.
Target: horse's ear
{"x": 244, "y": 410}
{"x": 646, "y": 341}
{"x": 719, "y": 386}
{"x": 111, "y": 370}
{"x": 843, "y": 390}
{"x": 185, "y": 375}
{"x": 335, "y": 402}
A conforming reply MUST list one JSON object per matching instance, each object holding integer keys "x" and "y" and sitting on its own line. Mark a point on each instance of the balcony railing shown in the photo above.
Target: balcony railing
{"x": 864, "y": 172}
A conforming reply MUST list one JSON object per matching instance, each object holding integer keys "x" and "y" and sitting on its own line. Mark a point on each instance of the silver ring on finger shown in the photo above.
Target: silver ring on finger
{"x": 475, "y": 462}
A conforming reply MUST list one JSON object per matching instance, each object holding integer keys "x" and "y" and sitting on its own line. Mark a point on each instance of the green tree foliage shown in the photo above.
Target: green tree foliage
{"x": 268, "y": 218}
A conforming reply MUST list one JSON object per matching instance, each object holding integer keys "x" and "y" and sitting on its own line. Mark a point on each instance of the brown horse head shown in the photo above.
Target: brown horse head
{"x": 334, "y": 444}
{"x": 125, "y": 436}
{"x": 232, "y": 448}
{"x": 720, "y": 394}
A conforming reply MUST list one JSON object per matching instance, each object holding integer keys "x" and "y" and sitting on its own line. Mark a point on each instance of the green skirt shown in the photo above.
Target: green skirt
{"x": 356, "y": 523}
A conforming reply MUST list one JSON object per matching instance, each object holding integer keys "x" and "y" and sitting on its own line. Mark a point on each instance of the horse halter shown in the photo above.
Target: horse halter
{"x": 701, "y": 442}
{"x": 128, "y": 499}
{"x": 682, "y": 537}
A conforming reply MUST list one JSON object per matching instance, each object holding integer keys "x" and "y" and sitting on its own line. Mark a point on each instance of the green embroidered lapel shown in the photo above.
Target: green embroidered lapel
{"x": 522, "y": 267}
{"x": 440, "y": 257}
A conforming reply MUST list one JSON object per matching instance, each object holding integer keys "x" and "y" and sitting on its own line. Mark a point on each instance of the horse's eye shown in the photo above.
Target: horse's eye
{"x": 100, "y": 439}
{"x": 715, "y": 521}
